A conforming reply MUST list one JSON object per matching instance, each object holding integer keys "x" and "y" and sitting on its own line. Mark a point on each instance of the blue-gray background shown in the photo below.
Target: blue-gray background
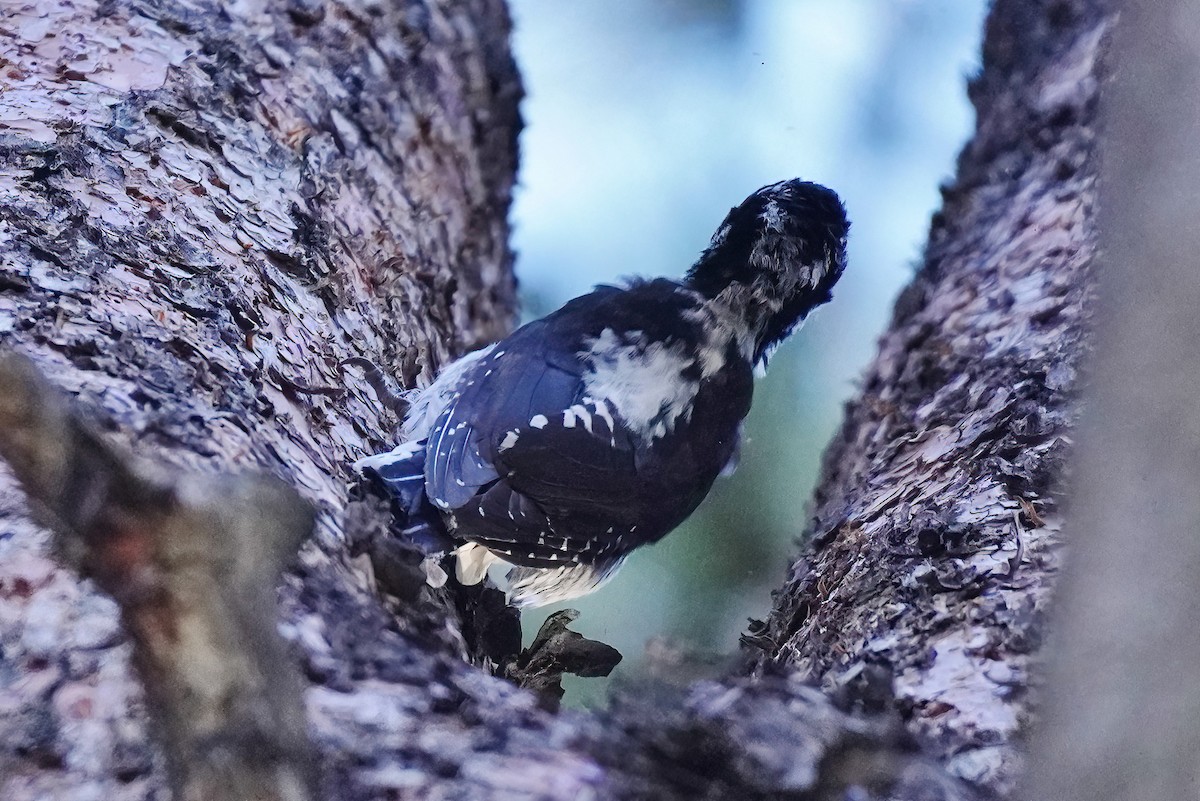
{"x": 646, "y": 120}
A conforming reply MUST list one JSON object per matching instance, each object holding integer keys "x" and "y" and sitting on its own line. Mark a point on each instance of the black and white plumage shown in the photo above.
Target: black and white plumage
{"x": 600, "y": 427}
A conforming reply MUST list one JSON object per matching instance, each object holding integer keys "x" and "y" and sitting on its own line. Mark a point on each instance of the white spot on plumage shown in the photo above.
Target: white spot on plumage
{"x": 581, "y": 412}
{"x": 569, "y": 418}
{"x": 539, "y": 421}
{"x": 723, "y": 323}
{"x": 712, "y": 359}
{"x": 510, "y": 439}
{"x": 772, "y": 216}
{"x": 604, "y": 414}
{"x": 400, "y": 453}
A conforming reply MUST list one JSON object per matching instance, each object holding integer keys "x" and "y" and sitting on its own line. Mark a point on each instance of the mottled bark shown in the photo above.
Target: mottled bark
{"x": 205, "y": 209}
{"x": 936, "y": 531}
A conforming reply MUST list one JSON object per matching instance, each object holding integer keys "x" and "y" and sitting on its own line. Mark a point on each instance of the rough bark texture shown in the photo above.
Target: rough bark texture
{"x": 205, "y": 208}
{"x": 936, "y": 538}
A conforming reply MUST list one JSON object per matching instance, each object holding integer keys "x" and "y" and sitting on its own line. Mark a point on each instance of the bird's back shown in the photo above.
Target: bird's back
{"x": 601, "y": 426}
{"x": 588, "y": 432}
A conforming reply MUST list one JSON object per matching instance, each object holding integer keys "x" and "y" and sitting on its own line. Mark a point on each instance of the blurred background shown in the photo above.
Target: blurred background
{"x": 646, "y": 120}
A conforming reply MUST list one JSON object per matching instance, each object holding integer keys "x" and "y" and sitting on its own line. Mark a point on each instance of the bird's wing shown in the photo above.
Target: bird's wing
{"x": 521, "y": 455}
{"x": 551, "y": 452}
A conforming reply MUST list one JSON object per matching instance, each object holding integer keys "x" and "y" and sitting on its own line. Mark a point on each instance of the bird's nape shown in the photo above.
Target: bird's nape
{"x": 775, "y": 258}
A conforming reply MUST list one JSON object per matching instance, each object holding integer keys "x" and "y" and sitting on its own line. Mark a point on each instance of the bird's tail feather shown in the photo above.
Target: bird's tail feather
{"x": 401, "y": 473}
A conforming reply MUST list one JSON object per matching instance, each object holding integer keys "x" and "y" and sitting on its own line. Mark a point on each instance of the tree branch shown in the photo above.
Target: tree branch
{"x": 192, "y": 562}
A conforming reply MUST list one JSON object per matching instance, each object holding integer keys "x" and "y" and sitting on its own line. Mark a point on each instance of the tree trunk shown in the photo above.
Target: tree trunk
{"x": 207, "y": 208}
{"x": 1123, "y": 694}
{"x": 936, "y": 532}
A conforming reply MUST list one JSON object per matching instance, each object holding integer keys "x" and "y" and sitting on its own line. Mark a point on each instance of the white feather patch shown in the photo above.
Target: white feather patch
{"x": 579, "y": 411}
{"x": 642, "y": 380}
{"x": 472, "y": 562}
{"x": 403, "y": 451}
{"x": 530, "y": 587}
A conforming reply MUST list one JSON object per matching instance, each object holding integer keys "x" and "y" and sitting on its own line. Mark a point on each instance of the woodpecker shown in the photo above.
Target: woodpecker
{"x": 600, "y": 427}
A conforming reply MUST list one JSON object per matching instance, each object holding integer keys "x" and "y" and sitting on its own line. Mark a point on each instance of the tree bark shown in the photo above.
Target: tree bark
{"x": 192, "y": 564}
{"x": 207, "y": 208}
{"x": 936, "y": 532}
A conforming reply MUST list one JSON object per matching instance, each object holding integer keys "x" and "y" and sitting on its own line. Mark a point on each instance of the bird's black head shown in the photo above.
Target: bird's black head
{"x": 775, "y": 258}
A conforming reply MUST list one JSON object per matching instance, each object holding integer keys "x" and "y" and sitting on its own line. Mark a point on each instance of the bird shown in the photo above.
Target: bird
{"x": 597, "y": 429}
